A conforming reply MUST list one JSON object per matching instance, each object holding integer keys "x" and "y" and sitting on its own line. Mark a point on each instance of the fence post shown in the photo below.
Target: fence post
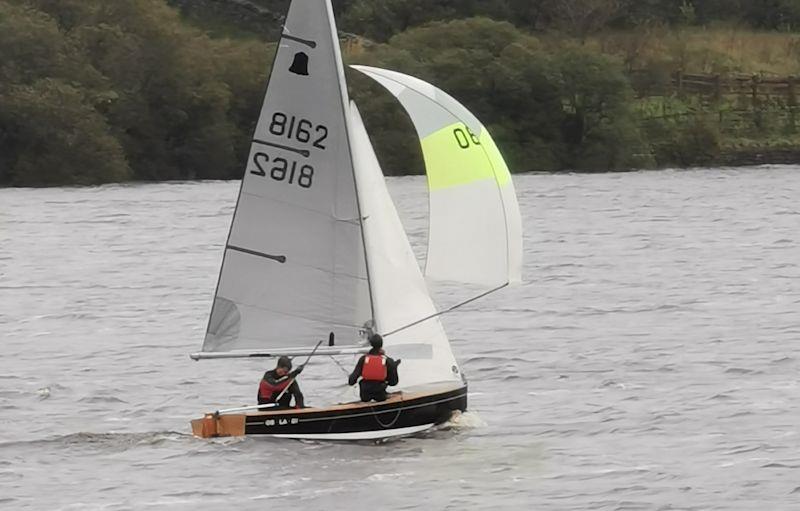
{"x": 792, "y": 103}
{"x": 757, "y": 120}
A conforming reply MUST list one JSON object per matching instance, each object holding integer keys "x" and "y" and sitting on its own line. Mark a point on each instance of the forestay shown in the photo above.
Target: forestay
{"x": 475, "y": 228}
{"x": 294, "y": 267}
{"x": 400, "y": 295}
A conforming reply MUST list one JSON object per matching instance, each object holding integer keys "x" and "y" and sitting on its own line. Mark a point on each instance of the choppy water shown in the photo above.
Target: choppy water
{"x": 650, "y": 362}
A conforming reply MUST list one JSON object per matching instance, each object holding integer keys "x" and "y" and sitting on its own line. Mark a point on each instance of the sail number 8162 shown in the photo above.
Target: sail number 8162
{"x": 299, "y": 129}
{"x": 283, "y": 170}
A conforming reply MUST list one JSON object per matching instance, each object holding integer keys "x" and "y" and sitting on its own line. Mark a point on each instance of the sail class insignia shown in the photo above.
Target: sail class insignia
{"x": 300, "y": 64}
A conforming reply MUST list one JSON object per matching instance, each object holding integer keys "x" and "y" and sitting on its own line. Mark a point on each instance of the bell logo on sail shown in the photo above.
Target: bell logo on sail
{"x": 300, "y": 64}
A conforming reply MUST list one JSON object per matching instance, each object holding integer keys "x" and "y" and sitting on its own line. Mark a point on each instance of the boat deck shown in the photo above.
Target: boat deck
{"x": 393, "y": 397}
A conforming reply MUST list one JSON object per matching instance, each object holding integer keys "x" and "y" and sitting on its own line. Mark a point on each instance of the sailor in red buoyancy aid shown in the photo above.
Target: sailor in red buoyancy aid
{"x": 273, "y": 383}
{"x": 376, "y": 371}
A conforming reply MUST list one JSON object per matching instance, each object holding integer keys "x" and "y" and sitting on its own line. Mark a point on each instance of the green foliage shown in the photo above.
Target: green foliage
{"x": 379, "y": 20}
{"x": 50, "y": 135}
{"x": 690, "y": 141}
{"x": 600, "y": 127}
{"x": 152, "y": 98}
{"x": 94, "y": 91}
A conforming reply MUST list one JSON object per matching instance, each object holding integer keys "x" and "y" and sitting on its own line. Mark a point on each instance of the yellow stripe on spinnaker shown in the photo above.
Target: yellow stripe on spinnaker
{"x": 501, "y": 172}
{"x": 452, "y": 158}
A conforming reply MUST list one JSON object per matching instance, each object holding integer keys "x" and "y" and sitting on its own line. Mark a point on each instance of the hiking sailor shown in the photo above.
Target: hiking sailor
{"x": 276, "y": 381}
{"x": 376, "y": 370}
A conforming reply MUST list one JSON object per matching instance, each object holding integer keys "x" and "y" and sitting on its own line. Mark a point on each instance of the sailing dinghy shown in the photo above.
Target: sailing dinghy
{"x": 316, "y": 248}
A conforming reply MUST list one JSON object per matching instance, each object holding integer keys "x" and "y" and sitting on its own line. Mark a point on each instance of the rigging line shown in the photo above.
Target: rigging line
{"x": 454, "y": 307}
{"x": 391, "y": 423}
{"x": 340, "y": 365}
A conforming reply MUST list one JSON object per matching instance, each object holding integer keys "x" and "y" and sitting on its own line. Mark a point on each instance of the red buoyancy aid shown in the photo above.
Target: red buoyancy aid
{"x": 374, "y": 368}
{"x": 266, "y": 390}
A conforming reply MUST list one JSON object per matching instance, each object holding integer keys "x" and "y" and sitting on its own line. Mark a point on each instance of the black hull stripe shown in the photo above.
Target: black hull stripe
{"x": 383, "y": 407}
{"x": 380, "y": 412}
{"x": 428, "y": 409}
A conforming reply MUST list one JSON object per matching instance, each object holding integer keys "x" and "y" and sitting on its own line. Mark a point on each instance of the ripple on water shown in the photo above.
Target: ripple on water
{"x": 647, "y": 363}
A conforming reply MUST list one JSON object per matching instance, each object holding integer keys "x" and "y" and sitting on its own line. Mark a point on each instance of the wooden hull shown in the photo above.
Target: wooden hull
{"x": 402, "y": 414}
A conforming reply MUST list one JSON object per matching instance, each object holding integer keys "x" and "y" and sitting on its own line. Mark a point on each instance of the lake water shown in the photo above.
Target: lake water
{"x": 649, "y": 362}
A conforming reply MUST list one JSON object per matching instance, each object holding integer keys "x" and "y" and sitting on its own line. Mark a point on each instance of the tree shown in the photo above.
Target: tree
{"x": 33, "y": 47}
{"x": 599, "y": 127}
{"x": 581, "y": 18}
{"x": 51, "y": 134}
{"x": 178, "y": 104}
{"x": 381, "y": 20}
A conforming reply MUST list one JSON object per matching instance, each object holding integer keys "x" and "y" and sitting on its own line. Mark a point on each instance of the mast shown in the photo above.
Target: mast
{"x": 337, "y": 57}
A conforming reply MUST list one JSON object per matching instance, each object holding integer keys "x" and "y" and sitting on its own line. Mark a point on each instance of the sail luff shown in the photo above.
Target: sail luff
{"x": 264, "y": 90}
{"x": 401, "y": 294}
{"x": 345, "y": 105}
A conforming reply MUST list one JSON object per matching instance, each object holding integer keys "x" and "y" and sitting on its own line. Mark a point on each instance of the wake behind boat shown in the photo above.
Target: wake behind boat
{"x": 316, "y": 247}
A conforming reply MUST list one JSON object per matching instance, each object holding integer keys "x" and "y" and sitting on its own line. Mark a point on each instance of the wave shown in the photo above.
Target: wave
{"x": 116, "y": 441}
{"x": 101, "y": 399}
{"x": 462, "y": 421}
{"x": 741, "y": 370}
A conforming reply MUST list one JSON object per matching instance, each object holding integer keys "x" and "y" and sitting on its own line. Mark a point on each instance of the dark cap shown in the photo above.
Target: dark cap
{"x": 285, "y": 362}
{"x": 376, "y": 341}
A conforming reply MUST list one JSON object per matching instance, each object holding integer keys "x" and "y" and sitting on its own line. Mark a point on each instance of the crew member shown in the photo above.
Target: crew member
{"x": 278, "y": 379}
{"x": 376, "y": 370}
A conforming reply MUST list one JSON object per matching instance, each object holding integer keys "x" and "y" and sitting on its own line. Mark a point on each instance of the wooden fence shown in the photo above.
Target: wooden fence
{"x": 740, "y": 105}
{"x": 715, "y": 87}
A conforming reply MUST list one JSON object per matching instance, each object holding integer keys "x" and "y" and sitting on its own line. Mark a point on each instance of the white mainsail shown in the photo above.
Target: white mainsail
{"x": 475, "y": 231}
{"x": 294, "y": 267}
{"x": 399, "y": 293}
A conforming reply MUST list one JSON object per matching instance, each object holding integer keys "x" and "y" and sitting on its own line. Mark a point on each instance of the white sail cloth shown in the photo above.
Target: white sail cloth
{"x": 294, "y": 267}
{"x": 399, "y": 292}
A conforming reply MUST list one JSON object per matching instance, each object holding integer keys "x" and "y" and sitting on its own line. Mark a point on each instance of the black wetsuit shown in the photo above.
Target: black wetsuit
{"x": 273, "y": 380}
{"x": 374, "y": 390}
